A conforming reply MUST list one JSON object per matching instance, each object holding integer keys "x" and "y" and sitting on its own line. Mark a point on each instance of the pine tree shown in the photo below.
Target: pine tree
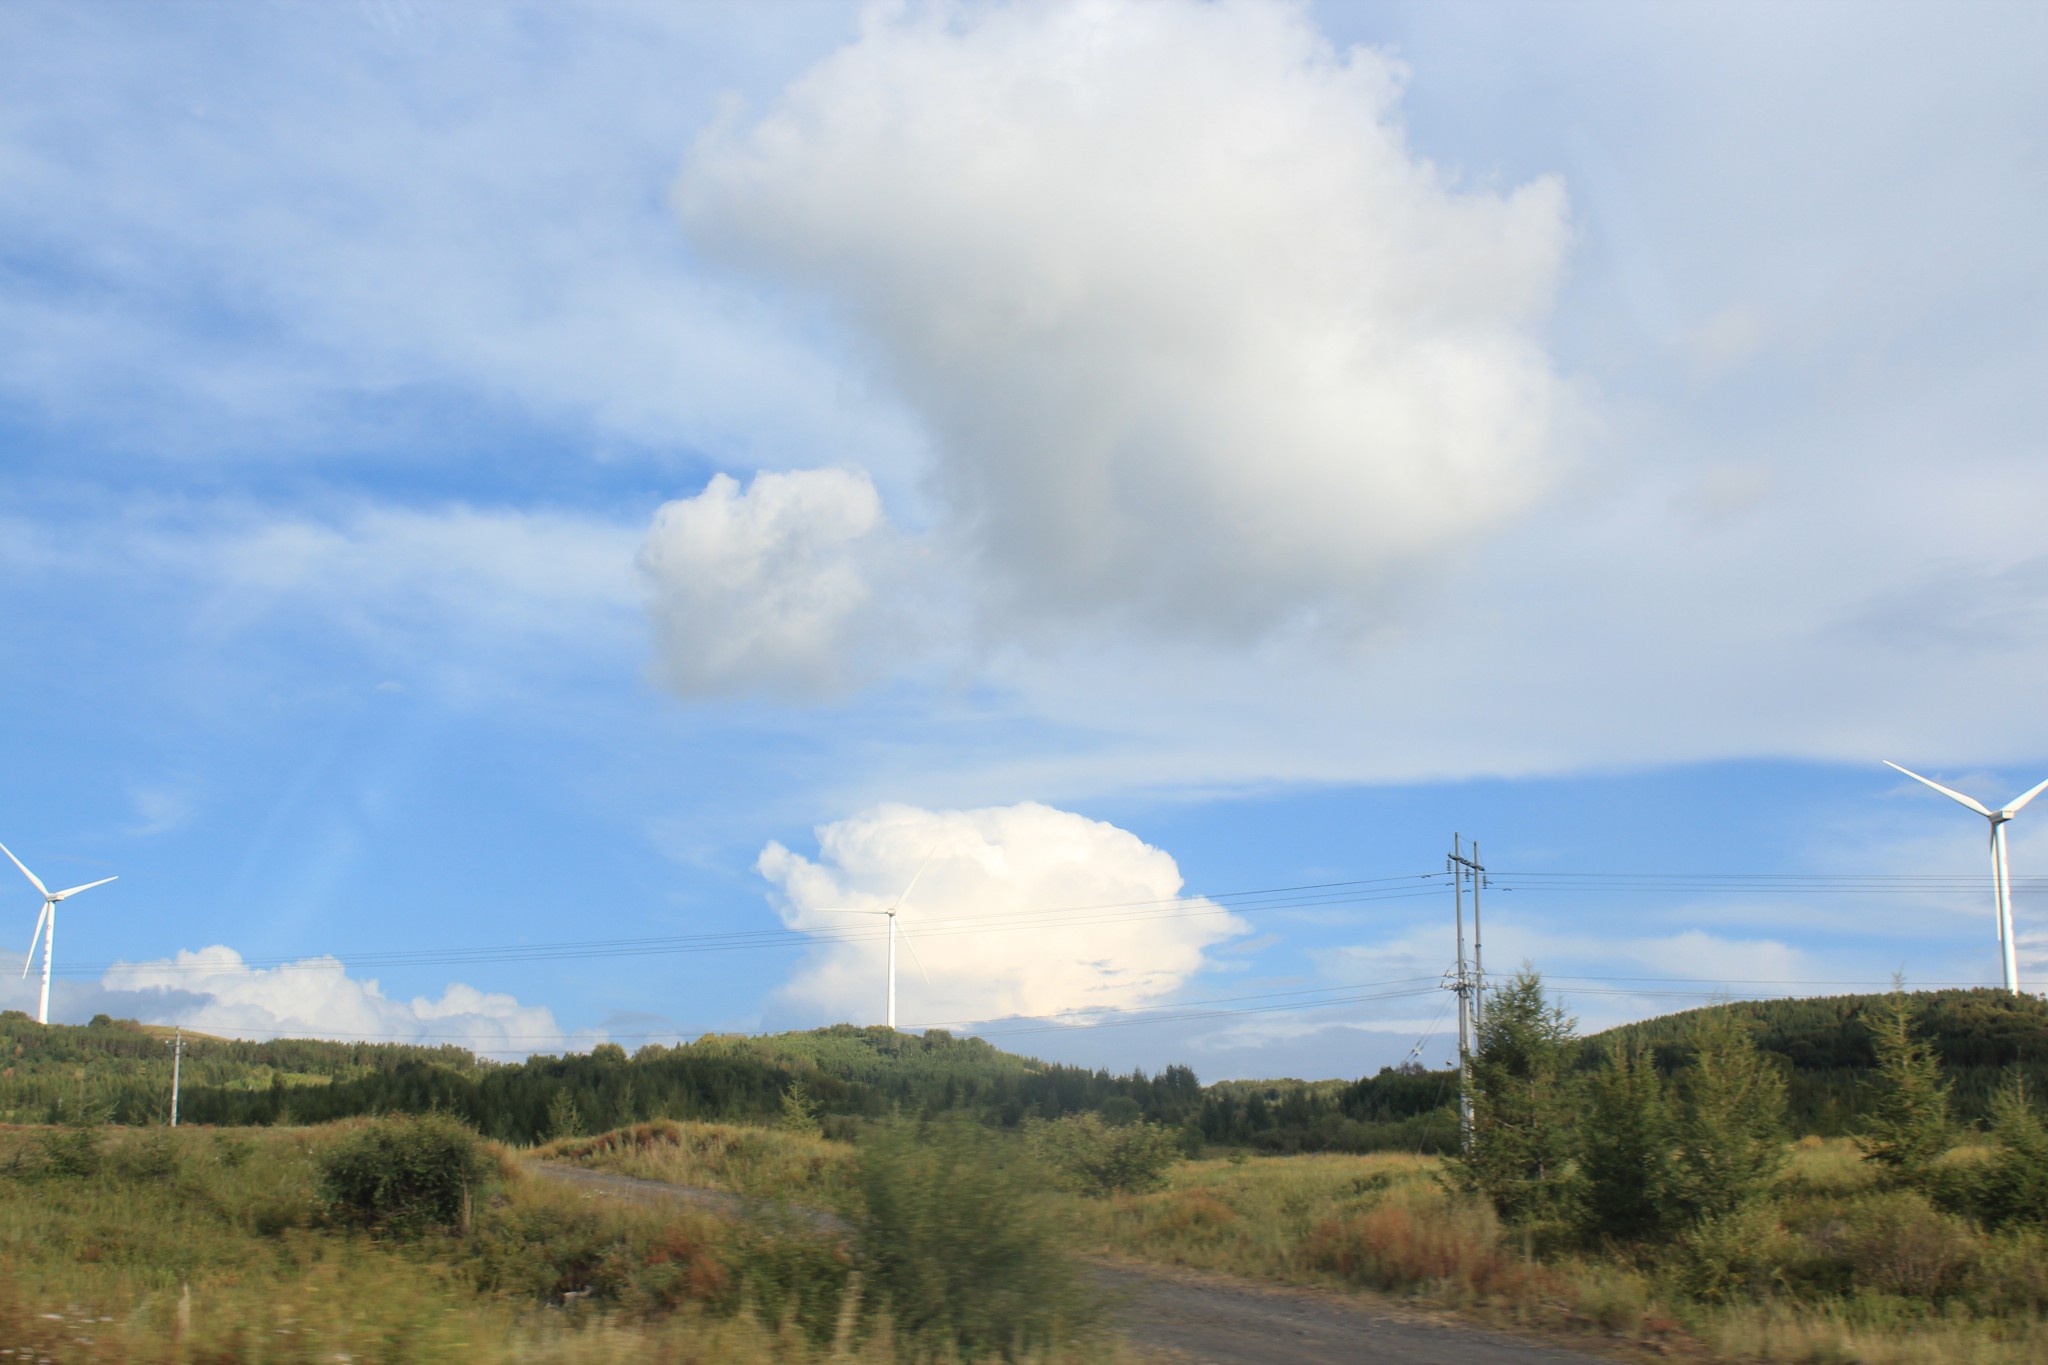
{"x": 1520, "y": 1153}
{"x": 1729, "y": 1121}
{"x": 1907, "y": 1127}
{"x": 2014, "y": 1187}
{"x": 1625, "y": 1155}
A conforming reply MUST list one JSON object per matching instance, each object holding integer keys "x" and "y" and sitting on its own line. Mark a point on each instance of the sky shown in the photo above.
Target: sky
{"x": 519, "y": 523}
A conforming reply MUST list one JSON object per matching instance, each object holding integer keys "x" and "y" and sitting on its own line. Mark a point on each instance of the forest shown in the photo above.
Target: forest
{"x": 120, "y": 1071}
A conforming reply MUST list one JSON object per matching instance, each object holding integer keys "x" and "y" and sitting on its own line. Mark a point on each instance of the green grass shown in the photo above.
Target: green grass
{"x": 196, "y": 1246}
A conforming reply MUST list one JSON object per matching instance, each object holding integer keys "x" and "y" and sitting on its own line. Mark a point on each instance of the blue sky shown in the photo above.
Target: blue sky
{"x": 481, "y": 479}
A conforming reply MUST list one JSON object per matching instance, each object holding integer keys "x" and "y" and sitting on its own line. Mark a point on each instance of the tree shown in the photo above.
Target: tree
{"x": 1625, "y": 1154}
{"x": 1729, "y": 1120}
{"x": 2014, "y": 1187}
{"x": 1522, "y": 1130}
{"x": 1099, "y": 1158}
{"x": 1907, "y": 1128}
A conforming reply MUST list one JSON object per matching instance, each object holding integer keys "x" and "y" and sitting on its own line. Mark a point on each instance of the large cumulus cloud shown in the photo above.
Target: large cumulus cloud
{"x": 1019, "y": 909}
{"x": 1200, "y": 341}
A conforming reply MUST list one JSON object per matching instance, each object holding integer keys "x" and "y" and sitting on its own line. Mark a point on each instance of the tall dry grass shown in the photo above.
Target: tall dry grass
{"x": 1890, "y": 1280}
{"x": 758, "y": 1163}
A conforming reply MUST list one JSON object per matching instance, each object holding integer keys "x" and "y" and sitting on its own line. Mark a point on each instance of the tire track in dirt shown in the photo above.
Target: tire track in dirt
{"x": 1187, "y": 1318}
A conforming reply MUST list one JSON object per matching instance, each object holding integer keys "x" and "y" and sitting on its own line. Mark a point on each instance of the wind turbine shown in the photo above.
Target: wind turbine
{"x": 46, "y": 926}
{"x": 2001, "y": 879}
{"x": 894, "y": 908}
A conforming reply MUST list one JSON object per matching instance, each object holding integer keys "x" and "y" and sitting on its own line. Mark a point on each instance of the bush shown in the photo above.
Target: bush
{"x": 407, "y": 1173}
{"x": 1422, "y": 1240}
{"x": 72, "y": 1151}
{"x": 1745, "y": 1253}
{"x": 1899, "y": 1243}
{"x": 2013, "y": 1188}
{"x": 1098, "y": 1158}
{"x": 956, "y": 1245}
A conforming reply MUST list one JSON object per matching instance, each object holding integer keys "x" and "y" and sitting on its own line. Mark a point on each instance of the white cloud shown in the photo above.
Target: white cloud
{"x": 1020, "y": 910}
{"x": 1200, "y": 340}
{"x": 785, "y": 587}
{"x": 213, "y": 990}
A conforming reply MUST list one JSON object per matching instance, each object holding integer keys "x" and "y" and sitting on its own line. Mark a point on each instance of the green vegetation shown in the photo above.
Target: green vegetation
{"x": 408, "y": 1173}
{"x": 186, "y": 1245}
{"x": 1093, "y": 1157}
{"x": 755, "y": 1163}
{"x": 959, "y": 1242}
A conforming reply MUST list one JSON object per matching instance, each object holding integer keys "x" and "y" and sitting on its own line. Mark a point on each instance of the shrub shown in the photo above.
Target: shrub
{"x": 1899, "y": 1243}
{"x": 72, "y": 1151}
{"x": 1098, "y": 1158}
{"x": 406, "y": 1173}
{"x": 2013, "y": 1187}
{"x": 1744, "y": 1253}
{"x": 1420, "y": 1241}
{"x": 956, "y": 1245}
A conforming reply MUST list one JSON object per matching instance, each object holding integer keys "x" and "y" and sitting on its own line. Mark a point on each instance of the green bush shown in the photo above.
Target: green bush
{"x": 2013, "y": 1188}
{"x": 72, "y": 1151}
{"x": 406, "y": 1173}
{"x": 1098, "y": 1158}
{"x": 956, "y": 1245}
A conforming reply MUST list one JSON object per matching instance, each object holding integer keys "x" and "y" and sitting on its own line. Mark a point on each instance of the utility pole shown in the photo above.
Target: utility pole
{"x": 1461, "y": 982}
{"x": 1468, "y": 982}
{"x": 177, "y": 1059}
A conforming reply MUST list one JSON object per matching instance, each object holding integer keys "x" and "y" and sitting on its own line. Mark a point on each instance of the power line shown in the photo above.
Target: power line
{"x": 1279, "y": 899}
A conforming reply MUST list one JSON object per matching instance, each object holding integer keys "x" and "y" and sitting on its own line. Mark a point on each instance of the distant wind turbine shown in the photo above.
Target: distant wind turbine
{"x": 894, "y": 908}
{"x": 46, "y": 926}
{"x": 2001, "y": 879}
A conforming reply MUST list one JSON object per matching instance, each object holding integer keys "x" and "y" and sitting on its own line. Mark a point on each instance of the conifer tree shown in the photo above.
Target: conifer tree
{"x": 1625, "y": 1154}
{"x": 1522, "y": 1107}
{"x": 2014, "y": 1188}
{"x": 1729, "y": 1121}
{"x": 1907, "y": 1127}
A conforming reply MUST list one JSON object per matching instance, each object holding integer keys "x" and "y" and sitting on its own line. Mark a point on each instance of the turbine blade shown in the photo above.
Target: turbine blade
{"x": 24, "y": 871}
{"x": 2012, "y": 807}
{"x": 844, "y": 910}
{"x": 37, "y": 939}
{"x": 60, "y": 895}
{"x": 905, "y": 935}
{"x": 1977, "y": 806}
{"x": 898, "y": 903}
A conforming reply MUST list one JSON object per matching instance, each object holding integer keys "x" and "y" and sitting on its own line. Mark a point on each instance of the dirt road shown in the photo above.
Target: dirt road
{"x": 1196, "y": 1319}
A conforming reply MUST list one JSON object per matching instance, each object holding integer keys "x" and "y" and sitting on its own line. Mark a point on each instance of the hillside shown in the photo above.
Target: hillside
{"x": 121, "y": 1071}
{"x": 1825, "y": 1046}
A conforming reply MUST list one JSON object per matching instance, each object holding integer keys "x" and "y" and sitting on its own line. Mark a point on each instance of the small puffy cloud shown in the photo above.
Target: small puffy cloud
{"x": 214, "y": 991}
{"x": 1016, "y": 910}
{"x": 1200, "y": 340}
{"x": 782, "y": 587}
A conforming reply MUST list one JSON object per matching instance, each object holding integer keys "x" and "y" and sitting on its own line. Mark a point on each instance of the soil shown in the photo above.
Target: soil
{"x": 1180, "y": 1317}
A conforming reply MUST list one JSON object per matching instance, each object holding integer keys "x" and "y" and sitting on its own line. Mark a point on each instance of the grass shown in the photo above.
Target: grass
{"x": 758, "y": 1163}
{"x": 196, "y": 1246}
{"x": 1832, "y": 1268}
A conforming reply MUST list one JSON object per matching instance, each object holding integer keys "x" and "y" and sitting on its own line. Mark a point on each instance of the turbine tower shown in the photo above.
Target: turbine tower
{"x": 46, "y": 926}
{"x": 2001, "y": 879}
{"x": 894, "y": 908}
